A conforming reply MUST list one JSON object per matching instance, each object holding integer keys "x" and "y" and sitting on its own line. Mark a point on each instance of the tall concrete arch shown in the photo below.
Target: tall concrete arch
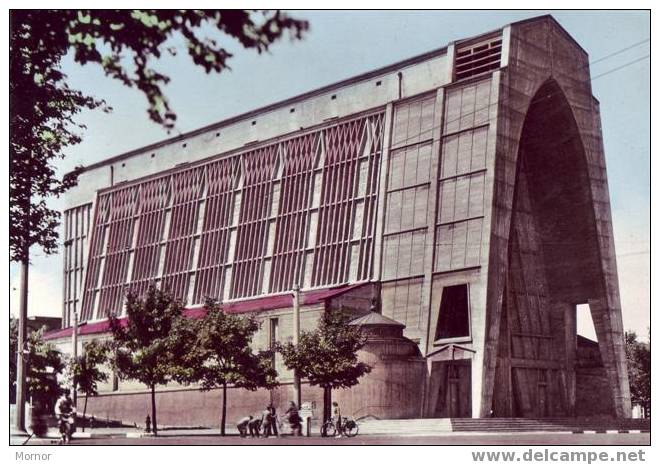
{"x": 551, "y": 224}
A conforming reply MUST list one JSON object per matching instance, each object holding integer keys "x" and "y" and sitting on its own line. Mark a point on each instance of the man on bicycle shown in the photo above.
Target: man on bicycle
{"x": 64, "y": 411}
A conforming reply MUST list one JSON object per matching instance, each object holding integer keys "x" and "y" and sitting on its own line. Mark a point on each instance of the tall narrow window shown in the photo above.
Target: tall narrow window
{"x": 115, "y": 381}
{"x": 454, "y": 318}
{"x": 273, "y": 336}
{"x": 274, "y": 331}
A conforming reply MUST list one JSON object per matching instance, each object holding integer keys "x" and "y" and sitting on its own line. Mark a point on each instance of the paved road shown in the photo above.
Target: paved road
{"x": 504, "y": 439}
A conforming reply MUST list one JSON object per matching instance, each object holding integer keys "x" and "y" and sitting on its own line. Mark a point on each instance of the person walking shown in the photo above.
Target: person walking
{"x": 336, "y": 418}
{"x": 242, "y": 425}
{"x": 266, "y": 422}
{"x": 294, "y": 419}
{"x": 274, "y": 420}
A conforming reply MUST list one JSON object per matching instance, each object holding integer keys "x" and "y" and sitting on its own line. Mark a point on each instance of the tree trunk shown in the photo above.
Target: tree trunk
{"x": 327, "y": 402}
{"x": 84, "y": 411}
{"x": 153, "y": 410}
{"x": 223, "y": 418}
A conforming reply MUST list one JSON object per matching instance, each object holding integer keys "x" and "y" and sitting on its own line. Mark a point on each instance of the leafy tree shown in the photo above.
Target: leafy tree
{"x": 42, "y": 109}
{"x": 125, "y": 44}
{"x": 142, "y": 343}
{"x": 222, "y": 355}
{"x": 86, "y": 370}
{"x": 638, "y": 354}
{"x": 45, "y": 364}
{"x": 327, "y": 357}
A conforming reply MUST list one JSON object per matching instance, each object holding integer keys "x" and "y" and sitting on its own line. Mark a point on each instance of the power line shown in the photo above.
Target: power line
{"x": 621, "y": 67}
{"x": 620, "y": 51}
{"x": 548, "y": 95}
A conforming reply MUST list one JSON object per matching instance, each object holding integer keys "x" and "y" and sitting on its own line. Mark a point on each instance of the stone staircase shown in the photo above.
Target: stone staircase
{"x": 441, "y": 426}
{"x": 548, "y": 424}
{"x": 414, "y": 427}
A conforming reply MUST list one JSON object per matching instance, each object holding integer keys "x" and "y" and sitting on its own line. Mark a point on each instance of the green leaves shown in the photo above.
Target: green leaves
{"x": 221, "y": 352}
{"x": 42, "y": 108}
{"x": 638, "y": 355}
{"x": 13, "y": 353}
{"x": 145, "y": 343}
{"x": 86, "y": 368}
{"x": 156, "y": 344}
{"x": 44, "y": 365}
{"x": 123, "y": 43}
{"x": 328, "y": 357}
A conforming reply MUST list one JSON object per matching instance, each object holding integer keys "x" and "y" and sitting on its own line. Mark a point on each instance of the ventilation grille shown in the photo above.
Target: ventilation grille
{"x": 477, "y": 58}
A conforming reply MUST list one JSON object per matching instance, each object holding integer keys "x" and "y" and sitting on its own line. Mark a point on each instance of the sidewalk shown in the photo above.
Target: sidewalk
{"x": 133, "y": 433}
{"x": 53, "y": 434}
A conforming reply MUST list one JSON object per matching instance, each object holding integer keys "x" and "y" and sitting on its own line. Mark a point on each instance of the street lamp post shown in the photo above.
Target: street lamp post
{"x": 21, "y": 368}
{"x": 296, "y": 337}
{"x": 74, "y": 356}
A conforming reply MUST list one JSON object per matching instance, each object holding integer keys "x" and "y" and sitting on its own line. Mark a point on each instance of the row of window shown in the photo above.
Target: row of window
{"x": 300, "y": 211}
{"x": 76, "y": 223}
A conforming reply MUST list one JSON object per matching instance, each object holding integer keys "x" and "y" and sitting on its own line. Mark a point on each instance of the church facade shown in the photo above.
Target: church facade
{"x": 461, "y": 193}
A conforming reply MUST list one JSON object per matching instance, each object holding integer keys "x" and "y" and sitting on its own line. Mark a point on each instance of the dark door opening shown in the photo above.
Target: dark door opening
{"x": 455, "y": 390}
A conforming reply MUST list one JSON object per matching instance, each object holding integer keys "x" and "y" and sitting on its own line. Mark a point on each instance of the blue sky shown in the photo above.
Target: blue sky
{"x": 342, "y": 44}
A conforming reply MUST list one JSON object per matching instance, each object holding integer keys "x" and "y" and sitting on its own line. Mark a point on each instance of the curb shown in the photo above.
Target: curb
{"x": 137, "y": 435}
{"x": 78, "y": 435}
{"x": 612, "y": 431}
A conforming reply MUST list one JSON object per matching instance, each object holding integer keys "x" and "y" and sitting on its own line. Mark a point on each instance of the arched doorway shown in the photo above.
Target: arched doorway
{"x": 553, "y": 260}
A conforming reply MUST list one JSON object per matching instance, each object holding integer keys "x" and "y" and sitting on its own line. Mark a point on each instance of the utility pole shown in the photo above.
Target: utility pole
{"x": 74, "y": 356}
{"x": 21, "y": 368}
{"x": 296, "y": 337}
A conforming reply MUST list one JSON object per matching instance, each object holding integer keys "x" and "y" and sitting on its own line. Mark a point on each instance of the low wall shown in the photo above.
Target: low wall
{"x": 192, "y": 407}
{"x": 389, "y": 391}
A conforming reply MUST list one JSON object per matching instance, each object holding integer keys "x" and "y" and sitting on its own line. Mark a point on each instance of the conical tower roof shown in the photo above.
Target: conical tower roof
{"x": 375, "y": 319}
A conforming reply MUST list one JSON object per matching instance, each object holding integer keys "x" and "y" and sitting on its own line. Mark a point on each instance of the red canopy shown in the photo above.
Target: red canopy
{"x": 259, "y": 304}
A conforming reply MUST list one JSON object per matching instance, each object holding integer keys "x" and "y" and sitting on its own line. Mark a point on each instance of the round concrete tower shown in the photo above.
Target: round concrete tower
{"x": 394, "y": 387}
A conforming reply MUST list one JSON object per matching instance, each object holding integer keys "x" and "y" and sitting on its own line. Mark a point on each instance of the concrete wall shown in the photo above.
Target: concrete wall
{"x": 392, "y": 390}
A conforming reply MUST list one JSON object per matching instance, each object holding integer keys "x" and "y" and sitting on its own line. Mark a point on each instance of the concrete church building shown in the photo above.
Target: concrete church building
{"x": 456, "y": 202}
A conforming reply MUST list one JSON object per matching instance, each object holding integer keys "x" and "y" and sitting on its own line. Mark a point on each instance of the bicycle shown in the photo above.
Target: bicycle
{"x": 348, "y": 427}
